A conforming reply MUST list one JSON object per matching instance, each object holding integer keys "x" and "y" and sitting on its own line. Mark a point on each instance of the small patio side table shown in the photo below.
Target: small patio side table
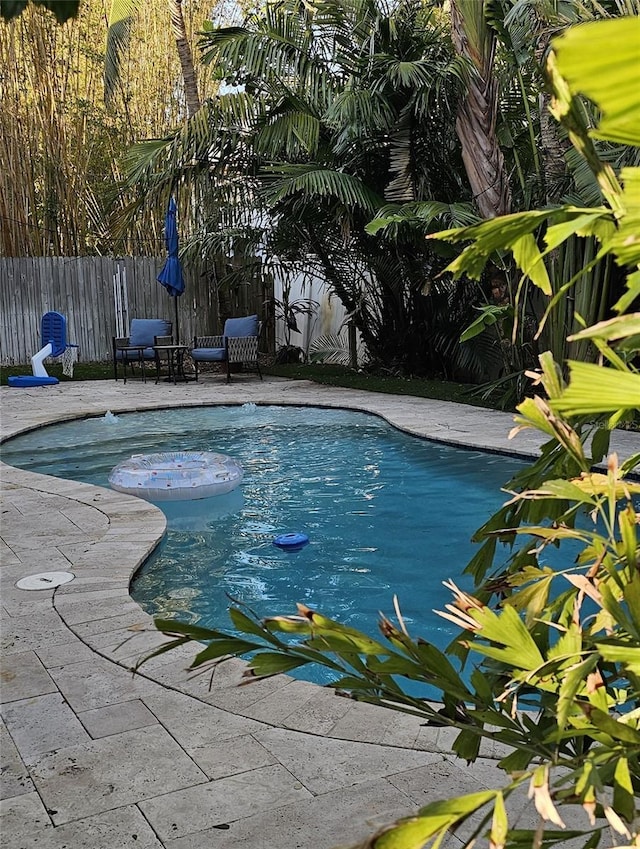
{"x": 175, "y": 362}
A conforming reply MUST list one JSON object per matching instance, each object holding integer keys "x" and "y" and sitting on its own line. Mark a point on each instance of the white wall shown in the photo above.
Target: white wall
{"x": 328, "y": 318}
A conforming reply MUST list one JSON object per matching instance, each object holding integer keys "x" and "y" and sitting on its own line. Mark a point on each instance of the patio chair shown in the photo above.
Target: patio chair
{"x": 238, "y": 345}
{"x": 137, "y": 347}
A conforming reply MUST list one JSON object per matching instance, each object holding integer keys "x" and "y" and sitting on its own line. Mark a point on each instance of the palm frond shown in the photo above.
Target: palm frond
{"x": 311, "y": 180}
{"x": 276, "y": 53}
{"x": 290, "y": 134}
{"x": 360, "y": 111}
{"x": 119, "y": 25}
{"x": 424, "y": 216}
{"x": 586, "y": 191}
{"x": 141, "y": 157}
{"x": 403, "y": 74}
{"x": 332, "y": 348}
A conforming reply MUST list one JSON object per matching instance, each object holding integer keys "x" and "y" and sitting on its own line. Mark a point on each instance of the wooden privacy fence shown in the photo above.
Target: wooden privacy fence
{"x": 98, "y": 296}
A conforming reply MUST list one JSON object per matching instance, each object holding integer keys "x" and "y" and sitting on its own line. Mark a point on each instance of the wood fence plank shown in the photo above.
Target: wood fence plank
{"x": 81, "y": 288}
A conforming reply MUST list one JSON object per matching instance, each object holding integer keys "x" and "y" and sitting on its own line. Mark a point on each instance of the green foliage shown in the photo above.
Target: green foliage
{"x": 62, "y": 9}
{"x": 375, "y": 381}
{"x": 330, "y": 348}
{"x": 331, "y": 112}
{"x": 339, "y": 113}
{"x": 547, "y": 663}
{"x": 612, "y": 81}
{"x": 121, "y": 17}
{"x": 489, "y": 315}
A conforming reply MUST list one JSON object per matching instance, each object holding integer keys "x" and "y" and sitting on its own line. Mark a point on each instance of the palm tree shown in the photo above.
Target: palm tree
{"x": 334, "y": 109}
{"x": 121, "y": 17}
{"x": 329, "y": 113}
{"x": 476, "y": 42}
{"x": 505, "y": 44}
{"x": 184, "y": 54}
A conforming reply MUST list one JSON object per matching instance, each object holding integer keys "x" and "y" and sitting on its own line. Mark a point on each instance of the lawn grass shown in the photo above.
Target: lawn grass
{"x": 81, "y": 371}
{"x": 331, "y": 375}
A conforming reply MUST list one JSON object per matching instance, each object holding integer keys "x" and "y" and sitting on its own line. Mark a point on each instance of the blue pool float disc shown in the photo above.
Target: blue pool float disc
{"x": 31, "y": 380}
{"x": 291, "y": 540}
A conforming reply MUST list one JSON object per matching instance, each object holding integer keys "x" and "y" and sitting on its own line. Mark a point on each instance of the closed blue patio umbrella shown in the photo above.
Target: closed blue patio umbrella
{"x": 171, "y": 274}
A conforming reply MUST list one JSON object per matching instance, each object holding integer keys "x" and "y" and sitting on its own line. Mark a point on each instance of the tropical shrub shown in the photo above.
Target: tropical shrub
{"x": 300, "y": 152}
{"x": 554, "y": 653}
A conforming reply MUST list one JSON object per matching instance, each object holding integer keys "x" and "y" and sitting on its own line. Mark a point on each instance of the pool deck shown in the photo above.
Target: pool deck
{"x": 94, "y": 757}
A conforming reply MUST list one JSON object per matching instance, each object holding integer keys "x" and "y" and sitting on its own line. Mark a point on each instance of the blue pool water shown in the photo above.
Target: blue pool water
{"x": 385, "y": 513}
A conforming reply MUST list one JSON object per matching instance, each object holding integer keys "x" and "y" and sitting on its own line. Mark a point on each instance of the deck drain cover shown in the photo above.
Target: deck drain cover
{"x": 45, "y": 580}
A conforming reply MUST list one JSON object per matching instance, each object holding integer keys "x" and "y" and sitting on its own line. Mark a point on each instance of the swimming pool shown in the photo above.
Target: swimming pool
{"x": 386, "y": 513}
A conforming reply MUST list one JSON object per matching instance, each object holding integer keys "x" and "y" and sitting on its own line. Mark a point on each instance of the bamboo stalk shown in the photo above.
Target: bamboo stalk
{"x": 61, "y": 147}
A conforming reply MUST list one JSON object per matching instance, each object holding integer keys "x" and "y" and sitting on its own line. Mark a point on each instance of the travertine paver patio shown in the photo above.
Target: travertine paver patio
{"x": 96, "y": 758}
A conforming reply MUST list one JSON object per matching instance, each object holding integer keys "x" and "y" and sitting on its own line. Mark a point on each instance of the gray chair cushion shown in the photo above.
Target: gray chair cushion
{"x": 245, "y": 326}
{"x": 208, "y": 355}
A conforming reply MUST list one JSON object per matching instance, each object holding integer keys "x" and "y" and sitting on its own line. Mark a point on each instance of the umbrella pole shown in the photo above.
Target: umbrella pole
{"x": 175, "y": 302}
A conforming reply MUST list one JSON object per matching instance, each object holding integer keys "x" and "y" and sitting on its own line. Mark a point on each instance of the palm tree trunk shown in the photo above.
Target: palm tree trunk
{"x": 120, "y": 22}
{"x": 552, "y": 147}
{"x": 185, "y": 56}
{"x": 476, "y": 120}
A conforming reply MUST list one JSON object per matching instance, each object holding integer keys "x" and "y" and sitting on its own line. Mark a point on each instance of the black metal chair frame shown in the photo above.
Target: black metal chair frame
{"x": 121, "y": 343}
{"x": 239, "y": 350}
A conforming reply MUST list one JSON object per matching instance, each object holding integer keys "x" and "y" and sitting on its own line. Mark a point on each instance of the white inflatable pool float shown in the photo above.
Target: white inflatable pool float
{"x": 176, "y": 475}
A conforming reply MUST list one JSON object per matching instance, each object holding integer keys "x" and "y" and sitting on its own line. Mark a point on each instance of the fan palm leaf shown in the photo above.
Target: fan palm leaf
{"x": 289, "y": 131}
{"x": 278, "y": 54}
{"x": 311, "y": 181}
{"x": 359, "y": 113}
{"x": 331, "y": 348}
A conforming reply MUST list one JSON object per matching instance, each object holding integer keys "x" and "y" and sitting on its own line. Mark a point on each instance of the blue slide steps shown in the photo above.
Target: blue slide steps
{"x": 53, "y": 330}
